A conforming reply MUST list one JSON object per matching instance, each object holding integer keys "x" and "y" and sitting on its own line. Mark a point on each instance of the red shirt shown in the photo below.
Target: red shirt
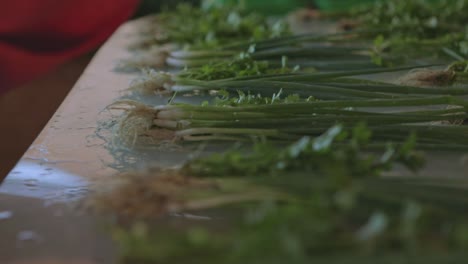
{"x": 38, "y": 35}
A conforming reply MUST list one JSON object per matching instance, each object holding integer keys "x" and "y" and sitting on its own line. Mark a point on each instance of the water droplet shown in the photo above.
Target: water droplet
{"x": 5, "y": 215}
{"x": 31, "y": 182}
{"x": 27, "y": 236}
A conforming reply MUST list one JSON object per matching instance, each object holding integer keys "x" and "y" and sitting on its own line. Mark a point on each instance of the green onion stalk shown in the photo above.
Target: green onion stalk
{"x": 291, "y": 118}
{"x": 252, "y": 76}
{"x": 153, "y": 81}
{"x": 321, "y": 56}
{"x": 323, "y": 51}
{"x": 351, "y": 50}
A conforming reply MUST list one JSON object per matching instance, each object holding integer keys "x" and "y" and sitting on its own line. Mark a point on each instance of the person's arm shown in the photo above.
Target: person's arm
{"x": 38, "y": 35}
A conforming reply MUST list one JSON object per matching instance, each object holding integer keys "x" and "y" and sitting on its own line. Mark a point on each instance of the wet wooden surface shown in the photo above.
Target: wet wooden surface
{"x": 37, "y": 222}
{"x": 25, "y": 110}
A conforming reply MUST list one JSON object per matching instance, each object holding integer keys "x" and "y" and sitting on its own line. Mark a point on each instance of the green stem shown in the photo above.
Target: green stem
{"x": 391, "y": 88}
{"x": 310, "y": 106}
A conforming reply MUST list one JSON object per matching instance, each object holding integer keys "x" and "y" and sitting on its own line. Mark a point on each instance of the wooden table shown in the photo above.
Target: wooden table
{"x": 37, "y": 223}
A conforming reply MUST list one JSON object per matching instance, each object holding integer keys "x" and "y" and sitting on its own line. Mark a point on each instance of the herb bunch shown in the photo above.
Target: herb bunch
{"x": 195, "y": 28}
{"x": 258, "y": 77}
{"x": 331, "y": 205}
{"x": 416, "y": 29}
{"x": 289, "y": 118}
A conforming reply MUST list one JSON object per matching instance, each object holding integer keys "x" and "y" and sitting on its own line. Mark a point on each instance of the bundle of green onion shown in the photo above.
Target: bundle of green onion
{"x": 246, "y": 74}
{"x": 252, "y": 116}
{"x": 188, "y": 27}
{"x": 399, "y": 30}
{"x": 416, "y": 29}
{"x": 319, "y": 200}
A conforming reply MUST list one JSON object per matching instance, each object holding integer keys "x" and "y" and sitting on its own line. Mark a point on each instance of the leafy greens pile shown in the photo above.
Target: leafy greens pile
{"x": 195, "y": 28}
{"x": 417, "y": 28}
{"x": 327, "y": 202}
